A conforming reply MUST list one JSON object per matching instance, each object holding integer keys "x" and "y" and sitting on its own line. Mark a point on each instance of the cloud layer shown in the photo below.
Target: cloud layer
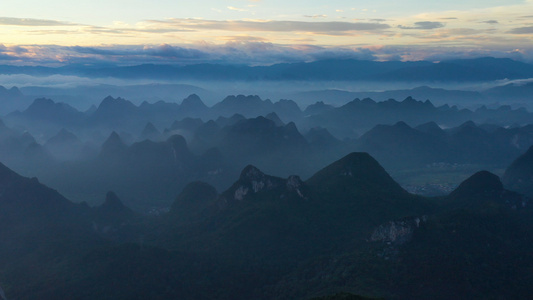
{"x": 238, "y": 52}
{"x": 502, "y": 31}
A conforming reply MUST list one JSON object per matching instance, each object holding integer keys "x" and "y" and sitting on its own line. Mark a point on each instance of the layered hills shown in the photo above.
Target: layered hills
{"x": 479, "y": 69}
{"x": 141, "y": 164}
{"x": 350, "y": 227}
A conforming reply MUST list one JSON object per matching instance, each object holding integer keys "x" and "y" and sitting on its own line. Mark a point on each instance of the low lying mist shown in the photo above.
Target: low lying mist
{"x": 82, "y": 93}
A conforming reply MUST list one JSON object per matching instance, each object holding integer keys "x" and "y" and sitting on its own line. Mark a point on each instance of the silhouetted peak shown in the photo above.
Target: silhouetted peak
{"x": 115, "y": 102}
{"x": 28, "y": 137}
{"x": 7, "y": 175}
{"x": 241, "y": 99}
{"x": 192, "y": 98}
{"x": 409, "y": 100}
{"x": 291, "y": 128}
{"x": 362, "y": 168}
{"x": 27, "y": 194}
{"x": 287, "y": 104}
{"x": 402, "y": 125}
{"x": 42, "y": 102}
{"x": 114, "y": 138}
{"x": 468, "y": 124}
{"x": 113, "y": 144}
{"x": 482, "y": 108}
{"x": 367, "y": 101}
{"x": 149, "y": 130}
{"x": 211, "y": 124}
{"x": 481, "y": 183}
{"x": 275, "y": 118}
{"x": 251, "y": 173}
{"x": 40, "y": 106}
{"x": 318, "y": 108}
{"x": 13, "y": 92}
{"x": 192, "y": 102}
{"x": 519, "y": 175}
{"x": 112, "y": 203}
{"x": 108, "y": 99}
{"x": 63, "y": 136}
{"x": 468, "y": 128}
{"x": 429, "y": 127}
{"x": 359, "y": 160}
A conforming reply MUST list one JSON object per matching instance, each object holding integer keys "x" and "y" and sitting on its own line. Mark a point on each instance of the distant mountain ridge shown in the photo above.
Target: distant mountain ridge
{"x": 348, "y": 120}
{"x": 478, "y": 69}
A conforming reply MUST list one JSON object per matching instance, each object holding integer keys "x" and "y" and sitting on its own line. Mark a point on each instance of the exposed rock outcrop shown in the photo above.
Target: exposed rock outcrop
{"x": 397, "y": 232}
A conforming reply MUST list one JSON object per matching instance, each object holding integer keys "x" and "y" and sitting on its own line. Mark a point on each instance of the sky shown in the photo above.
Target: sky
{"x": 260, "y": 32}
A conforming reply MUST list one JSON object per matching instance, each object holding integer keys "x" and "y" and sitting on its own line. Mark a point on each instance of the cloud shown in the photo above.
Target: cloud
{"x": 242, "y": 38}
{"x": 272, "y": 26}
{"x": 247, "y": 50}
{"x": 96, "y": 51}
{"x": 17, "y": 50}
{"x": 315, "y": 16}
{"x": 32, "y": 22}
{"x": 343, "y": 53}
{"x": 490, "y": 22}
{"x": 251, "y": 51}
{"x": 118, "y": 30}
{"x": 7, "y": 57}
{"x": 164, "y": 51}
{"x": 236, "y": 8}
{"x": 172, "y": 52}
{"x": 522, "y": 30}
{"x": 425, "y": 25}
{"x": 56, "y": 31}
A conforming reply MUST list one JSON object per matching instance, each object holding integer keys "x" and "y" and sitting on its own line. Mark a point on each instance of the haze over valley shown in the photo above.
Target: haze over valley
{"x": 258, "y": 149}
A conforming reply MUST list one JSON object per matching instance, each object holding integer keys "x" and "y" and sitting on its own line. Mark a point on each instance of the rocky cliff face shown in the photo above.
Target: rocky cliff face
{"x": 252, "y": 182}
{"x": 397, "y": 232}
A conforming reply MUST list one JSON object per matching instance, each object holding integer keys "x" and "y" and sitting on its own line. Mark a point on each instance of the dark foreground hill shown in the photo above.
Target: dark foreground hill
{"x": 349, "y": 228}
{"x": 519, "y": 175}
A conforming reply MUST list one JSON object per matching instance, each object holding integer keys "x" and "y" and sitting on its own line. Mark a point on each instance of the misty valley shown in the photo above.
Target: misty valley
{"x": 333, "y": 195}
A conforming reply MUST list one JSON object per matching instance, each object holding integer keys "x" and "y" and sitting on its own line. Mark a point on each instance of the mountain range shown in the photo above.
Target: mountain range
{"x": 350, "y": 228}
{"x": 479, "y": 69}
{"x": 117, "y": 147}
{"x": 45, "y": 117}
